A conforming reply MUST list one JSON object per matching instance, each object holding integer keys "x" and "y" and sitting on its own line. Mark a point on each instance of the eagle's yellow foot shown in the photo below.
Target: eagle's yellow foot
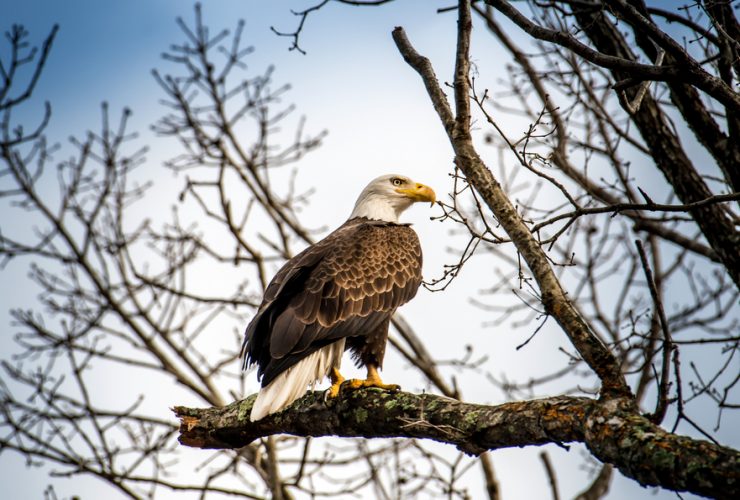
{"x": 356, "y": 383}
{"x": 336, "y": 383}
{"x": 372, "y": 380}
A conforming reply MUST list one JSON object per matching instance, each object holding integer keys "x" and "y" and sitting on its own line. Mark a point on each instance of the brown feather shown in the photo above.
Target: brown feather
{"x": 346, "y": 286}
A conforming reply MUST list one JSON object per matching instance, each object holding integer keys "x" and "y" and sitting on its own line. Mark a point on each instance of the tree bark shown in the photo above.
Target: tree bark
{"x": 555, "y": 300}
{"x": 665, "y": 148}
{"x": 610, "y": 429}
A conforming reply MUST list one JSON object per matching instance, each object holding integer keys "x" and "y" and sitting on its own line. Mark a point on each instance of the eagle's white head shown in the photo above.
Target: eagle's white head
{"x": 386, "y": 197}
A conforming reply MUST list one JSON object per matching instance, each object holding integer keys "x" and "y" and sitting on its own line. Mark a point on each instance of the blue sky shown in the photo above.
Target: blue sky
{"x": 352, "y": 82}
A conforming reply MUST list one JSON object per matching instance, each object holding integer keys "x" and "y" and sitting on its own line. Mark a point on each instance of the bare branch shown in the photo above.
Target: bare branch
{"x": 609, "y": 427}
{"x": 556, "y": 303}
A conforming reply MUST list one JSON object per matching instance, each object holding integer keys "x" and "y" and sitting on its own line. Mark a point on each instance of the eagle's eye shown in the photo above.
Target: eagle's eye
{"x": 396, "y": 181}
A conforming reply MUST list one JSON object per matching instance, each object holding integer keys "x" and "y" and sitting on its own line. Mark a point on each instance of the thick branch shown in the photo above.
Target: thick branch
{"x": 554, "y": 298}
{"x": 665, "y": 147}
{"x": 611, "y": 431}
{"x": 560, "y": 156}
{"x": 692, "y": 73}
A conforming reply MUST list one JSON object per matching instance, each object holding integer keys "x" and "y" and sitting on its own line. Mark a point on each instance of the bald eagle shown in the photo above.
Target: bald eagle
{"x": 337, "y": 294}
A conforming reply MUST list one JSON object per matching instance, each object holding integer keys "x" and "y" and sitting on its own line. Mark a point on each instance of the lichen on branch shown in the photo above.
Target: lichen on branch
{"x": 611, "y": 430}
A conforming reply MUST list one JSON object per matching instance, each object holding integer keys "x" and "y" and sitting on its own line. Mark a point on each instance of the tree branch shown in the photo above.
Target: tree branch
{"x": 665, "y": 147}
{"x": 556, "y": 303}
{"x": 713, "y": 86}
{"x": 613, "y": 433}
{"x": 600, "y": 485}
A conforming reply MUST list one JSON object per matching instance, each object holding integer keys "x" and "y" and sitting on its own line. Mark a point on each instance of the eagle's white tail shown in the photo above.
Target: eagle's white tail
{"x": 293, "y": 382}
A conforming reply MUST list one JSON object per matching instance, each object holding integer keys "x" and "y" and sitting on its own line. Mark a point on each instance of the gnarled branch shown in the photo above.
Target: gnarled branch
{"x": 597, "y": 356}
{"x": 610, "y": 429}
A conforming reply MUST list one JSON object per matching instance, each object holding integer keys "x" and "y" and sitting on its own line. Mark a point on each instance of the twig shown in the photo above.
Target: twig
{"x": 550, "y": 475}
{"x": 600, "y": 486}
{"x": 662, "y": 404}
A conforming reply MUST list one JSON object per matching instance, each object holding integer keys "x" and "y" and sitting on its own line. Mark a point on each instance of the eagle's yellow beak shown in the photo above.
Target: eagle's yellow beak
{"x": 419, "y": 192}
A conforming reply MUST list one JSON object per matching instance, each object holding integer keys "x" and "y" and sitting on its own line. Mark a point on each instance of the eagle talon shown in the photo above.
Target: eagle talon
{"x": 336, "y": 384}
{"x": 330, "y": 394}
{"x": 361, "y": 384}
{"x": 372, "y": 380}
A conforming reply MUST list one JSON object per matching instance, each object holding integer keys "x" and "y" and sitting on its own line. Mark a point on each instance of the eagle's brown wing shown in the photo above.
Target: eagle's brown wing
{"x": 347, "y": 285}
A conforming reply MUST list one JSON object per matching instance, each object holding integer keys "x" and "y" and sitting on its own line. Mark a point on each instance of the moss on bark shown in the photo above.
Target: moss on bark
{"x": 609, "y": 428}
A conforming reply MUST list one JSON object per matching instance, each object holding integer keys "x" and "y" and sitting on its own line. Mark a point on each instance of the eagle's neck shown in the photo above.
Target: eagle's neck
{"x": 378, "y": 207}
